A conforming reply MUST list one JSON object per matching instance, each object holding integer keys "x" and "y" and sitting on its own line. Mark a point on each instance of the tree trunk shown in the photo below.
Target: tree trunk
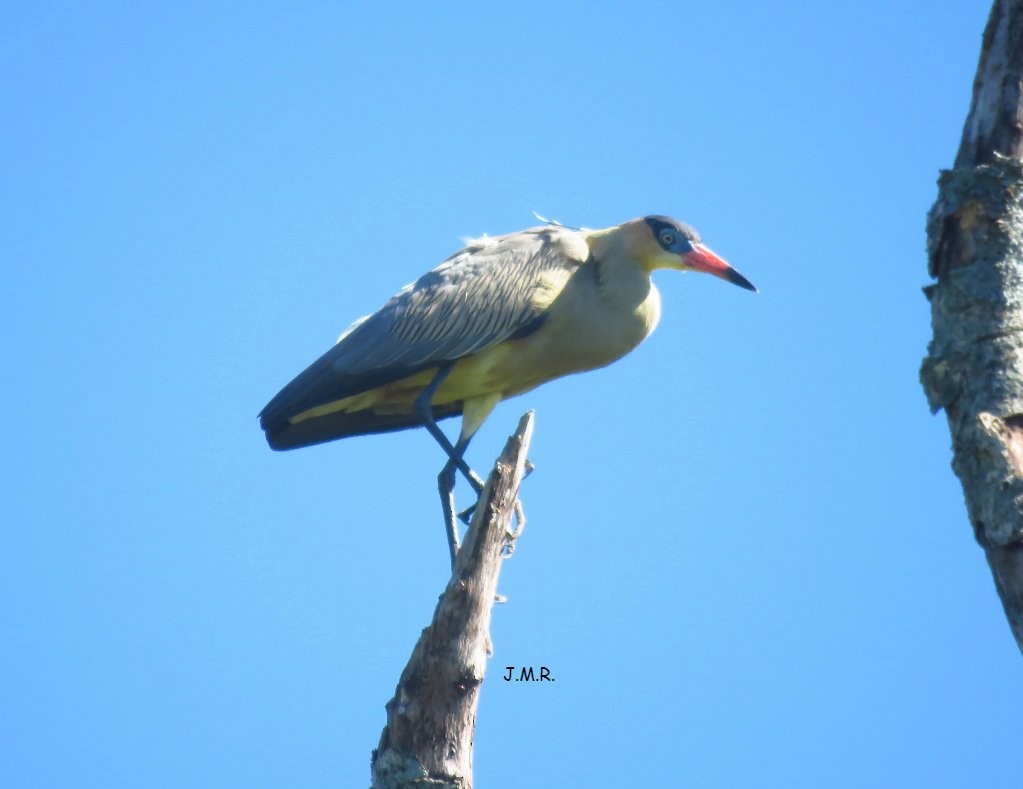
{"x": 974, "y": 366}
{"x": 427, "y": 741}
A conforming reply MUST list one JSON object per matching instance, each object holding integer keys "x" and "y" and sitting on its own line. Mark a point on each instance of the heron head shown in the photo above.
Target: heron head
{"x": 669, "y": 243}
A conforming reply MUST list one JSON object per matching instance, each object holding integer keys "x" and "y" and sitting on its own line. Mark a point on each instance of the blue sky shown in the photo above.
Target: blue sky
{"x": 747, "y": 561}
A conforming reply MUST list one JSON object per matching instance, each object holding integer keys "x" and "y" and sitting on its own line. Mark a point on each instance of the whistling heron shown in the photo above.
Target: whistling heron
{"x": 496, "y": 319}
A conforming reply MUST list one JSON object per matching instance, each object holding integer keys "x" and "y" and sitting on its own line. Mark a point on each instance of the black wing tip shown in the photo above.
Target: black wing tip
{"x": 283, "y": 435}
{"x": 273, "y": 433}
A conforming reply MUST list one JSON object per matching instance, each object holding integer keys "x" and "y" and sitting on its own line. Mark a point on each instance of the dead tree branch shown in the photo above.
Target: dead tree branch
{"x": 427, "y": 741}
{"x": 974, "y": 366}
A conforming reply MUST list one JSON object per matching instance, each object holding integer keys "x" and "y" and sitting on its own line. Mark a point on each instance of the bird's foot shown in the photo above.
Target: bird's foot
{"x": 520, "y": 523}
{"x": 465, "y": 516}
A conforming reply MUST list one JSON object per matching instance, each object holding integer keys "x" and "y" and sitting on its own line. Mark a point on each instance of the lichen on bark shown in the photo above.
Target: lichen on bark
{"x": 974, "y": 367}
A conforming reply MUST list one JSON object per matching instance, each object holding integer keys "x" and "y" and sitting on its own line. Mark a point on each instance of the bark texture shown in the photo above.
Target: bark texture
{"x": 995, "y": 122}
{"x": 427, "y": 741}
{"x": 974, "y": 366}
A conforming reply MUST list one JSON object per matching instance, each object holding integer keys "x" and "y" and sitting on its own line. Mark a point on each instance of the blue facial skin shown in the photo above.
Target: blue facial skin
{"x": 672, "y": 235}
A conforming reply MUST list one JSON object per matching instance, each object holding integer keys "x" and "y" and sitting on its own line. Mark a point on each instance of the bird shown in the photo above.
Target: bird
{"x": 498, "y": 318}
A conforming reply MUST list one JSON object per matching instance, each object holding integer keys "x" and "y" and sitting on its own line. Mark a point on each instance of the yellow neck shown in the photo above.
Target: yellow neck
{"x": 622, "y": 244}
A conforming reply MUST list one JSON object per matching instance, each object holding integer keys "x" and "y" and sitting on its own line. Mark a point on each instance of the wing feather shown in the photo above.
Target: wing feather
{"x": 482, "y": 295}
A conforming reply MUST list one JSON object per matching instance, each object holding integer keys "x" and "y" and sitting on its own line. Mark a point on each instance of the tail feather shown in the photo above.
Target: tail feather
{"x": 321, "y": 383}
{"x": 282, "y": 434}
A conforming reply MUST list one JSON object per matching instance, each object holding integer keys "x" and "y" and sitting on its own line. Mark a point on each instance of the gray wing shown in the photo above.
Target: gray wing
{"x": 477, "y": 298}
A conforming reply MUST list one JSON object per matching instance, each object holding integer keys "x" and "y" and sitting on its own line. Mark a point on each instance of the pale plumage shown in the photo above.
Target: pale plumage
{"x": 494, "y": 290}
{"x": 496, "y": 319}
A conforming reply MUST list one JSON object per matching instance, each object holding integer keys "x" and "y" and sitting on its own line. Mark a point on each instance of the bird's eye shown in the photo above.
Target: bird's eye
{"x": 667, "y": 238}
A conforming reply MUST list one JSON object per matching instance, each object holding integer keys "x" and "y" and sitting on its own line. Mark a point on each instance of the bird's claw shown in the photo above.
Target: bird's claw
{"x": 520, "y": 524}
{"x": 446, "y": 482}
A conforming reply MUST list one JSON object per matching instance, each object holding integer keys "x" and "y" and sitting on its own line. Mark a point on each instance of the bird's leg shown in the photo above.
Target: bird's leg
{"x": 446, "y": 486}
{"x": 520, "y": 516}
{"x": 424, "y": 410}
{"x": 466, "y": 515}
{"x": 446, "y": 478}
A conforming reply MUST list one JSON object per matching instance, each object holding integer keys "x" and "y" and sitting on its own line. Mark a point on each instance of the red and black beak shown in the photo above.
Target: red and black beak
{"x": 701, "y": 258}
